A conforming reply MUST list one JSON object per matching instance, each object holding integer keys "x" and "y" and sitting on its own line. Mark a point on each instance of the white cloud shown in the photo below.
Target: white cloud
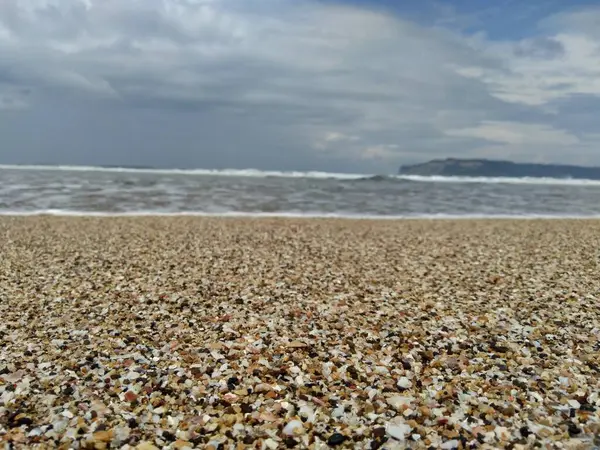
{"x": 340, "y": 81}
{"x": 563, "y": 62}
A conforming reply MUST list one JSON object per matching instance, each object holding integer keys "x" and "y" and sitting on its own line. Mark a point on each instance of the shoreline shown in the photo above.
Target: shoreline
{"x": 295, "y": 216}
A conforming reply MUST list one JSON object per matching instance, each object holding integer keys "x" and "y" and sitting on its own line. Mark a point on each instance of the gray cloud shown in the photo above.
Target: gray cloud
{"x": 279, "y": 84}
{"x": 540, "y": 47}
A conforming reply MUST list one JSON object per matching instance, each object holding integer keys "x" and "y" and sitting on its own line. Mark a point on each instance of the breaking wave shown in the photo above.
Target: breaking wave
{"x": 255, "y": 173}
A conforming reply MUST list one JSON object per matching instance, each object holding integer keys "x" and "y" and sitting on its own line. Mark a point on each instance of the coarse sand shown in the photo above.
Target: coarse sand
{"x": 274, "y": 333}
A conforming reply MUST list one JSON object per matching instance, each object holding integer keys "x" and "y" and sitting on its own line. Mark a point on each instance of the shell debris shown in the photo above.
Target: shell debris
{"x": 226, "y": 333}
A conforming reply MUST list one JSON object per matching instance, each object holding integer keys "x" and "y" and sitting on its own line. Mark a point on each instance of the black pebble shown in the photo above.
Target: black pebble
{"x": 22, "y": 421}
{"x": 524, "y": 431}
{"x": 499, "y": 348}
{"x": 246, "y": 408}
{"x": 169, "y": 436}
{"x": 520, "y": 384}
{"x": 376, "y": 444}
{"x": 574, "y": 429}
{"x": 379, "y": 432}
{"x": 197, "y": 441}
{"x": 336, "y": 439}
{"x": 68, "y": 390}
{"x": 353, "y": 372}
{"x": 132, "y": 423}
{"x": 290, "y": 442}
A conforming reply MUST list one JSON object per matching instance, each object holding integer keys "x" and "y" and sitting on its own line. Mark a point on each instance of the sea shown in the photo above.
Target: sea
{"x": 113, "y": 191}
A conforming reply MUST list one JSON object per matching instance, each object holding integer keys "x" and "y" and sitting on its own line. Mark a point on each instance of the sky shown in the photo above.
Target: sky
{"x": 344, "y": 86}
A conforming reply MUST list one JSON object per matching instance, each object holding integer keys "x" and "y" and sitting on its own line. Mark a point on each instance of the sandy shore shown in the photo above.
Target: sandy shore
{"x": 181, "y": 332}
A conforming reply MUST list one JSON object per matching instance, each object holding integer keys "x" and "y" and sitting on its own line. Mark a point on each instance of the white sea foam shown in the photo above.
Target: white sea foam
{"x": 292, "y": 215}
{"x": 500, "y": 180}
{"x": 255, "y": 173}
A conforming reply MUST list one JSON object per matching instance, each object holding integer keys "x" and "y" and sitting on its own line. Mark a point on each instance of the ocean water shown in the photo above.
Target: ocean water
{"x": 29, "y": 190}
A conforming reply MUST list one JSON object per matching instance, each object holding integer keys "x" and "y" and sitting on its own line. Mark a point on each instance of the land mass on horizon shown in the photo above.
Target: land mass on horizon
{"x": 498, "y": 168}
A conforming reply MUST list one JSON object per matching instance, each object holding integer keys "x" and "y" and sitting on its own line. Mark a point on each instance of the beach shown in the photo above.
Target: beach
{"x": 182, "y": 332}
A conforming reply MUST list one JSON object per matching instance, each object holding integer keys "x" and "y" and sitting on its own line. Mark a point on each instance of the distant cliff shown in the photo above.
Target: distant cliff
{"x": 491, "y": 168}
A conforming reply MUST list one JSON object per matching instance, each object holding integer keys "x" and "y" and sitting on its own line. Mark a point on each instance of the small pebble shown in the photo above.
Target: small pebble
{"x": 336, "y": 439}
{"x": 398, "y": 431}
{"x": 295, "y": 427}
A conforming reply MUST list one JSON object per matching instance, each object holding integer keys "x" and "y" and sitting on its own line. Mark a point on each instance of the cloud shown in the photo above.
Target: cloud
{"x": 13, "y": 98}
{"x": 582, "y": 20}
{"x": 537, "y": 71}
{"x": 540, "y": 48}
{"x": 531, "y": 142}
{"x": 299, "y": 84}
{"x": 514, "y": 133}
{"x": 334, "y": 139}
{"x": 380, "y": 152}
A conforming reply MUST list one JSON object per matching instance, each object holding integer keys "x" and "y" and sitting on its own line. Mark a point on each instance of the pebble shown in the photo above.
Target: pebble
{"x": 336, "y": 439}
{"x": 398, "y": 401}
{"x": 398, "y": 431}
{"x": 297, "y": 344}
{"x": 404, "y": 383}
{"x": 295, "y": 427}
{"x": 453, "y": 444}
{"x": 103, "y": 436}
